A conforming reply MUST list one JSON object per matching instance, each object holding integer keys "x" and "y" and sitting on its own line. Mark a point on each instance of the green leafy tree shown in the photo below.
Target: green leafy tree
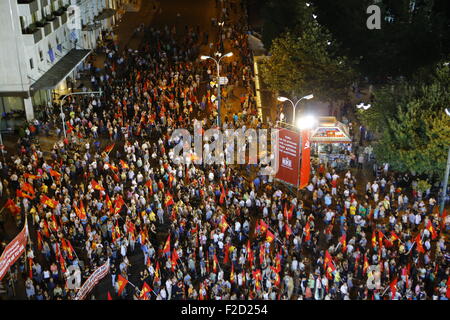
{"x": 410, "y": 121}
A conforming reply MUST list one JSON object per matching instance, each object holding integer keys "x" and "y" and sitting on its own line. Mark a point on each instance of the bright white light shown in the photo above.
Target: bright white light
{"x": 306, "y": 122}
{"x": 363, "y": 106}
{"x": 447, "y": 111}
{"x": 308, "y": 97}
{"x": 205, "y": 57}
{"x": 229, "y": 54}
{"x": 314, "y": 16}
{"x": 308, "y": 4}
{"x": 282, "y": 99}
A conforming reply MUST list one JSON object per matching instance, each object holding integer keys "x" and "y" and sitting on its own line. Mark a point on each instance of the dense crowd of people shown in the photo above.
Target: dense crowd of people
{"x": 206, "y": 231}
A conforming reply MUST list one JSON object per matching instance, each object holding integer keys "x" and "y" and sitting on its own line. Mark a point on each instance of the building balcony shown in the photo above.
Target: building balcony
{"x": 63, "y": 18}
{"x": 32, "y": 35}
{"x": 56, "y": 24}
{"x": 47, "y": 28}
{"x": 27, "y": 7}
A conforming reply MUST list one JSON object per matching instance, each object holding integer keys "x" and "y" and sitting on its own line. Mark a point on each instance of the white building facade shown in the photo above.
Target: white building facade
{"x": 43, "y": 43}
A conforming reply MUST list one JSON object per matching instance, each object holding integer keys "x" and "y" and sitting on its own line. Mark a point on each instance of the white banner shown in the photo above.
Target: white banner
{"x": 92, "y": 281}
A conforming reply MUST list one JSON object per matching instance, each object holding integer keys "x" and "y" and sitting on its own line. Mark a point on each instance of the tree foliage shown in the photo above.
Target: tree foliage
{"x": 413, "y": 128}
{"x": 413, "y": 34}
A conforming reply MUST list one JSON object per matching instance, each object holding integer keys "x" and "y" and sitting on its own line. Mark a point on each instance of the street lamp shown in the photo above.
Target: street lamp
{"x": 229, "y": 54}
{"x": 62, "y": 102}
{"x": 447, "y": 171}
{"x": 363, "y": 106}
{"x": 294, "y": 105}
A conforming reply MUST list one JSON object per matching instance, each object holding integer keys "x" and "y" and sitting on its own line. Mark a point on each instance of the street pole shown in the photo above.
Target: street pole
{"x": 218, "y": 94}
{"x": 444, "y": 190}
{"x": 62, "y": 103}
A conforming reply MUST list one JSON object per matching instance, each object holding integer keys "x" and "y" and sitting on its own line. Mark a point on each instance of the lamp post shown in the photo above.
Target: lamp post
{"x": 294, "y": 105}
{"x": 62, "y": 102}
{"x": 229, "y": 54}
{"x": 447, "y": 171}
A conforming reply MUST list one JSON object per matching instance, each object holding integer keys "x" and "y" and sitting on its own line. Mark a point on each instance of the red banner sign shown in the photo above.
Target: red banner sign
{"x": 306, "y": 160}
{"x": 13, "y": 251}
{"x": 288, "y": 156}
{"x": 92, "y": 281}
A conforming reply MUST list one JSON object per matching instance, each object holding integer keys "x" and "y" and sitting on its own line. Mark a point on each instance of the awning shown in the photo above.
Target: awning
{"x": 60, "y": 70}
{"x": 330, "y": 131}
{"x": 106, "y": 13}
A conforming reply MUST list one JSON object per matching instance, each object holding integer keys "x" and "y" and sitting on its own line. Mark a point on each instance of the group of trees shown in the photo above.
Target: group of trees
{"x": 322, "y": 46}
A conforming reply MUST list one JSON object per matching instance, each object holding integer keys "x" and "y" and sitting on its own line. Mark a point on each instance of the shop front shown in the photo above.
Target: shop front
{"x": 331, "y": 144}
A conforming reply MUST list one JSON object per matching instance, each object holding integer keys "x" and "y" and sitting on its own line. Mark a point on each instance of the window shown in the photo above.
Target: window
{"x": 31, "y": 64}
{"x": 41, "y": 57}
{"x": 34, "y": 17}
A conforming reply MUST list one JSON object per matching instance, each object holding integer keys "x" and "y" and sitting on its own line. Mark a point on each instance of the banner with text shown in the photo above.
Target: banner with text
{"x": 289, "y": 156}
{"x": 92, "y": 281}
{"x": 13, "y": 251}
{"x": 306, "y": 160}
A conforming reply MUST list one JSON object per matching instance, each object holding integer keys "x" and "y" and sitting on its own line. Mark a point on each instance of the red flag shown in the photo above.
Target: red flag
{"x": 394, "y": 236}
{"x": 145, "y": 292}
{"x": 83, "y": 211}
{"x": 124, "y": 165}
{"x": 261, "y": 254}
{"x": 227, "y": 250}
{"x": 80, "y": 214}
{"x": 149, "y": 184}
{"x": 223, "y": 224}
{"x": 49, "y": 202}
{"x": 166, "y": 248}
{"x": 288, "y": 231}
{"x": 20, "y": 193}
{"x": 393, "y": 286}
{"x": 419, "y": 244}
{"x": 366, "y": 264}
{"x": 374, "y": 239}
{"x": 222, "y": 195}
{"x": 118, "y": 204}
{"x": 174, "y": 258}
{"x": 96, "y": 186}
{"x": 264, "y": 226}
{"x": 307, "y": 232}
{"x": 232, "y": 273}
{"x": 31, "y": 176}
{"x": 109, "y": 296}
{"x": 269, "y": 236}
{"x": 122, "y": 283}
{"x": 109, "y": 148}
{"x": 306, "y": 159}
{"x": 28, "y": 188}
{"x": 432, "y": 230}
{"x": 343, "y": 242}
{"x": 169, "y": 200}
{"x": 54, "y": 173}
{"x": 11, "y": 205}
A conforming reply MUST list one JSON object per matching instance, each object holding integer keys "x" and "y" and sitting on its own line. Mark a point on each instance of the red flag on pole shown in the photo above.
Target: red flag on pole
{"x": 122, "y": 283}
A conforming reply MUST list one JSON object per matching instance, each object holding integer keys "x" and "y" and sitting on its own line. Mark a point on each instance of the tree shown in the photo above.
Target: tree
{"x": 413, "y": 34}
{"x": 413, "y": 129}
{"x": 305, "y": 61}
